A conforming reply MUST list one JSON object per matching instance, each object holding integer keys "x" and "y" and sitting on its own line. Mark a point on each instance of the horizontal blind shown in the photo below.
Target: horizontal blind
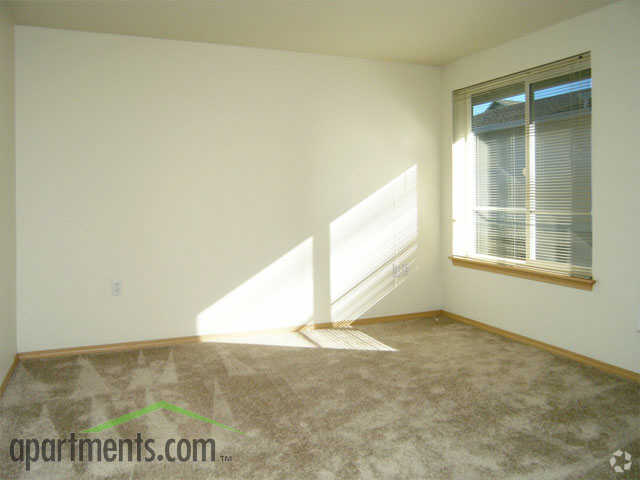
{"x": 499, "y": 206}
{"x": 560, "y": 170}
{"x": 522, "y": 168}
{"x": 578, "y": 62}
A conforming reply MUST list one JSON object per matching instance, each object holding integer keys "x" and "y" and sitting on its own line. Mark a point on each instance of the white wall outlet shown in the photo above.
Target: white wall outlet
{"x": 400, "y": 269}
{"x": 116, "y": 288}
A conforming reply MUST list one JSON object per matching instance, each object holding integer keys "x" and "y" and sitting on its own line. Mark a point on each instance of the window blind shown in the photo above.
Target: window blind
{"x": 522, "y": 169}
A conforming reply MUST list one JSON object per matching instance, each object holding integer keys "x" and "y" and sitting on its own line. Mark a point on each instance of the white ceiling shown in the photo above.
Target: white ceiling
{"x": 432, "y": 32}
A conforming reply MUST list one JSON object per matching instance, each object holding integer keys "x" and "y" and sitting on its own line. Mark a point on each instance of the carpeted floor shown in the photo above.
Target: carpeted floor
{"x": 419, "y": 399}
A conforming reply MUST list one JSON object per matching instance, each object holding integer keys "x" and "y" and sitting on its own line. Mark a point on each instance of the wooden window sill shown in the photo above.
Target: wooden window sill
{"x": 524, "y": 272}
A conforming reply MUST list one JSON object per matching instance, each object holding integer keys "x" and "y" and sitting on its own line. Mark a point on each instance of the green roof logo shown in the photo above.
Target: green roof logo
{"x": 127, "y": 417}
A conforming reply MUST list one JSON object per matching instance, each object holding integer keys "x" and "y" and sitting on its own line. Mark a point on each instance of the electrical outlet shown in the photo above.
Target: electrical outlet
{"x": 116, "y": 288}
{"x": 400, "y": 270}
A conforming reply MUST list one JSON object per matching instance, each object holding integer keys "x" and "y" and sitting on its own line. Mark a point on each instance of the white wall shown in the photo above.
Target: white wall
{"x": 203, "y": 176}
{"x": 7, "y": 197}
{"x": 185, "y": 169}
{"x": 603, "y": 323}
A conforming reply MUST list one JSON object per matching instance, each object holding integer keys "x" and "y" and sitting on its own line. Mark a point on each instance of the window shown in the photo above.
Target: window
{"x": 522, "y": 170}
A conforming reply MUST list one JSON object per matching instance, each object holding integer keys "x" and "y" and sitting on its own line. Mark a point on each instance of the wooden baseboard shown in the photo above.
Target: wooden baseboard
{"x": 372, "y": 320}
{"x": 124, "y": 346}
{"x": 137, "y": 345}
{"x": 7, "y": 377}
{"x": 592, "y": 362}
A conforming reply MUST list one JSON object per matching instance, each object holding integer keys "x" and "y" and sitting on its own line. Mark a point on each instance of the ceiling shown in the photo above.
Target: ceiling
{"x": 432, "y": 32}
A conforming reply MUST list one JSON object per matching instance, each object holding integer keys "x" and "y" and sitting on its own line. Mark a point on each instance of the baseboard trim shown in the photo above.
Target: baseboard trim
{"x": 9, "y": 374}
{"x": 372, "y": 320}
{"x": 164, "y": 342}
{"x": 124, "y": 346}
{"x": 592, "y": 362}
{"x": 141, "y": 344}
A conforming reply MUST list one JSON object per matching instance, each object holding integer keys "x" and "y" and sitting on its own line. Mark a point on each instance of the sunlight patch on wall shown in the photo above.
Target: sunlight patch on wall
{"x": 370, "y": 244}
{"x": 281, "y": 295}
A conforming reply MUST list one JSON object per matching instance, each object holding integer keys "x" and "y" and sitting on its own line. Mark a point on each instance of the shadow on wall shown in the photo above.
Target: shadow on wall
{"x": 372, "y": 247}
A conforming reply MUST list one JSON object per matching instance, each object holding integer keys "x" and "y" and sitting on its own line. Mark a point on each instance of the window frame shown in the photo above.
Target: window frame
{"x": 542, "y": 270}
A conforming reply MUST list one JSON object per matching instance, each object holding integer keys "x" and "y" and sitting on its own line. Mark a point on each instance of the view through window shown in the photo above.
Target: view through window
{"x": 522, "y": 183}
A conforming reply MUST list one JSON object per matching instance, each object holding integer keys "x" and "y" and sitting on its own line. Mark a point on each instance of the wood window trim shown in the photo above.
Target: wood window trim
{"x": 524, "y": 272}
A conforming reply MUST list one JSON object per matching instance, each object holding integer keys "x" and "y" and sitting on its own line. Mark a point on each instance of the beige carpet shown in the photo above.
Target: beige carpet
{"x": 417, "y": 399}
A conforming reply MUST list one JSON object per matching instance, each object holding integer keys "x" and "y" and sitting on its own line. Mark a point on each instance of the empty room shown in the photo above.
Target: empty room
{"x": 319, "y": 239}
